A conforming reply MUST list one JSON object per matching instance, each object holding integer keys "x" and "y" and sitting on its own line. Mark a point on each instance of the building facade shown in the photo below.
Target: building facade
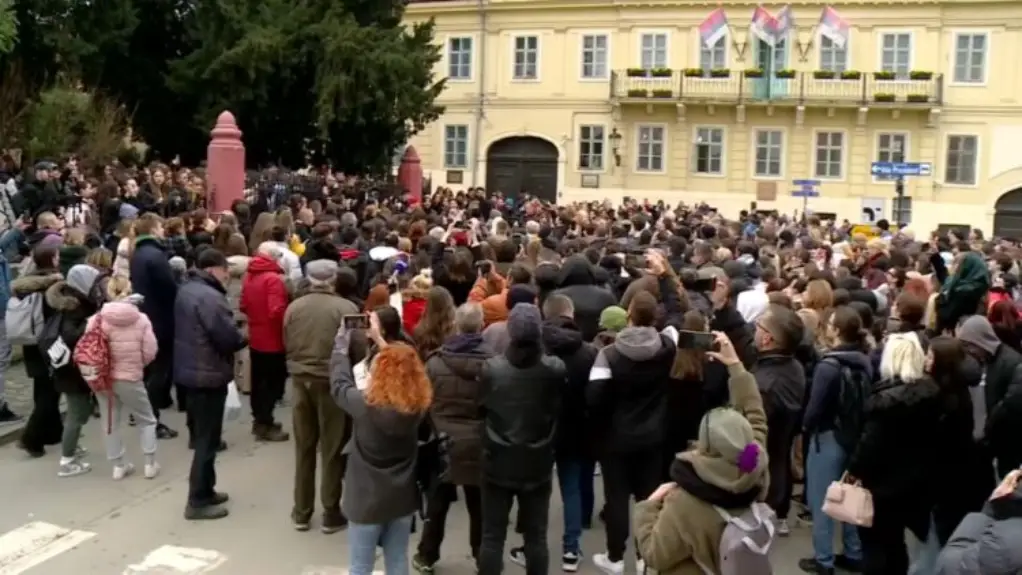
{"x": 593, "y": 99}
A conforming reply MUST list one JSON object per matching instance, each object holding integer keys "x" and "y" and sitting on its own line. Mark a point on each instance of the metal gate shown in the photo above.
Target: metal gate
{"x": 522, "y": 165}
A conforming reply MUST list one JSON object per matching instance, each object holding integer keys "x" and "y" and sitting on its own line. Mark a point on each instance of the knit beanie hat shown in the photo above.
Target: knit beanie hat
{"x": 613, "y": 318}
{"x": 977, "y": 330}
{"x": 524, "y": 323}
{"x": 81, "y": 278}
{"x": 321, "y": 270}
{"x": 519, "y": 294}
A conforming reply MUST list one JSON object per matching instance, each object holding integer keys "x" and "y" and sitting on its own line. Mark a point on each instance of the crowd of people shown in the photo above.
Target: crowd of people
{"x": 479, "y": 348}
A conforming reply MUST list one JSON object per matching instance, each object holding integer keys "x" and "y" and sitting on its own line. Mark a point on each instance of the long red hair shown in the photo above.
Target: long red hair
{"x": 398, "y": 380}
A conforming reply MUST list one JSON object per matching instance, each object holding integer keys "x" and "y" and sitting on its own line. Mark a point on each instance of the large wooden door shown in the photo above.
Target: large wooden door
{"x": 522, "y": 165}
{"x": 1008, "y": 215}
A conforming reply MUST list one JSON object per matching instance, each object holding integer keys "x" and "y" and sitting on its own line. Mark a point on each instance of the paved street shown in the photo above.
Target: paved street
{"x": 91, "y": 525}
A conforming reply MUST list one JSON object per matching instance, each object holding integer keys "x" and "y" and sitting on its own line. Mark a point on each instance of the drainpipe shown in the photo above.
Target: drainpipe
{"x": 481, "y": 98}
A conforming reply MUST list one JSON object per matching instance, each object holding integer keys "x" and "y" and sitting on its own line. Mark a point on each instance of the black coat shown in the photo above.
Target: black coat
{"x": 152, "y": 278}
{"x": 72, "y": 310}
{"x": 899, "y": 456}
{"x": 522, "y": 392}
{"x": 579, "y": 283}
{"x": 562, "y": 339}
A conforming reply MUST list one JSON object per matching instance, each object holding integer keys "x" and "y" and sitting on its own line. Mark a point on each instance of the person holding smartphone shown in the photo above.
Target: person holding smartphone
{"x": 989, "y": 541}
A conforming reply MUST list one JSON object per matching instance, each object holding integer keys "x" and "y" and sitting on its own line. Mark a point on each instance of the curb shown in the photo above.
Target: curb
{"x": 11, "y": 432}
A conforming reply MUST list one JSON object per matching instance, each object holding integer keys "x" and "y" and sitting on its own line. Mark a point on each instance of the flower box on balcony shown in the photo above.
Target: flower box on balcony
{"x": 663, "y": 94}
{"x": 823, "y": 74}
{"x": 917, "y": 98}
{"x": 754, "y": 73}
{"x": 883, "y": 97}
{"x": 637, "y": 72}
{"x": 920, "y": 75}
{"x": 785, "y": 74}
{"x": 634, "y": 93}
{"x": 883, "y": 75}
{"x": 720, "y": 73}
{"x": 851, "y": 75}
{"x": 661, "y": 72}
{"x": 693, "y": 72}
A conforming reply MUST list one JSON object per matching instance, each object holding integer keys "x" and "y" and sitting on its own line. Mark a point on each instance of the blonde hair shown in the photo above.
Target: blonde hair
{"x": 75, "y": 237}
{"x": 100, "y": 258}
{"x": 117, "y": 288}
{"x": 260, "y": 231}
{"x": 902, "y": 358}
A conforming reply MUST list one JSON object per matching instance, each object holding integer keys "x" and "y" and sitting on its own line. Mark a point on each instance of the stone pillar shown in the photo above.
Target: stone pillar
{"x": 409, "y": 176}
{"x": 225, "y": 165}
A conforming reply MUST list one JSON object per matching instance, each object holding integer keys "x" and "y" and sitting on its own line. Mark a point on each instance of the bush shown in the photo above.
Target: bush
{"x": 634, "y": 93}
{"x": 823, "y": 74}
{"x": 851, "y": 75}
{"x": 917, "y": 98}
{"x": 920, "y": 75}
{"x": 68, "y": 120}
{"x": 720, "y": 73}
{"x": 883, "y": 97}
{"x": 785, "y": 74}
{"x": 662, "y": 93}
{"x": 754, "y": 73}
{"x": 883, "y": 75}
{"x": 636, "y": 72}
{"x": 693, "y": 72}
{"x": 661, "y": 73}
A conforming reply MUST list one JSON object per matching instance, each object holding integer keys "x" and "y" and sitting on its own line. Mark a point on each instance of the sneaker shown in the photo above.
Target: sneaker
{"x": 846, "y": 563}
{"x": 783, "y": 529}
{"x": 332, "y": 524}
{"x": 72, "y": 468}
{"x": 122, "y": 471}
{"x": 570, "y": 562}
{"x": 640, "y": 567}
{"x": 131, "y": 419}
{"x": 151, "y": 470}
{"x": 300, "y": 525}
{"x": 603, "y": 563}
{"x": 420, "y": 564}
{"x": 811, "y": 565}
{"x": 8, "y": 416}
{"x": 80, "y": 452}
{"x": 206, "y": 513}
{"x": 517, "y": 556}
{"x": 164, "y": 432}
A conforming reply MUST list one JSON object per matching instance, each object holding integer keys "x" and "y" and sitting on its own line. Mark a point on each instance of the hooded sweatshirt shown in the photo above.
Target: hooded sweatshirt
{"x": 628, "y": 384}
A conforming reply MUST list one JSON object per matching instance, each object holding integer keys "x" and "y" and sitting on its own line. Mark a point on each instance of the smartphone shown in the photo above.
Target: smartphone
{"x": 484, "y": 268}
{"x": 704, "y": 284}
{"x": 699, "y": 340}
{"x": 356, "y": 321}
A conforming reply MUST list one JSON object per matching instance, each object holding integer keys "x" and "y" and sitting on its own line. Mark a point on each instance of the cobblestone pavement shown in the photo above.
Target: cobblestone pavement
{"x": 18, "y": 395}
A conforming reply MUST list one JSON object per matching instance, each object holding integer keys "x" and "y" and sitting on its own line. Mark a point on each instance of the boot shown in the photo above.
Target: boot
{"x": 269, "y": 433}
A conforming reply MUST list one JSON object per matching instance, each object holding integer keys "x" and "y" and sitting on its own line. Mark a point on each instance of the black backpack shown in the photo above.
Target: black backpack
{"x": 856, "y": 387}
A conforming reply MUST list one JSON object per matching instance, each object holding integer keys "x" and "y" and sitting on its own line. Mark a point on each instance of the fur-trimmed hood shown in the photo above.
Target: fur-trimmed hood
{"x": 62, "y": 297}
{"x": 35, "y": 282}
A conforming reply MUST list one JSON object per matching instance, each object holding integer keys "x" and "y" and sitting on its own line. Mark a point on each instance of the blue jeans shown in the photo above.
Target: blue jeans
{"x": 575, "y": 478}
{"x": 826, "y": 464}
{"x": 363, "y": 538}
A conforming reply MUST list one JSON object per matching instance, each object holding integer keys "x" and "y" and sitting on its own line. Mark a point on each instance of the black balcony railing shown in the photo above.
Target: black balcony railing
{"x": 821, "y": 88}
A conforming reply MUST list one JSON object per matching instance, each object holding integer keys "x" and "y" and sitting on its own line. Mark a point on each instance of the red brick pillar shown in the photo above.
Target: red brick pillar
{"x": 225, "y": 165}
{"x": 409, "y": 175}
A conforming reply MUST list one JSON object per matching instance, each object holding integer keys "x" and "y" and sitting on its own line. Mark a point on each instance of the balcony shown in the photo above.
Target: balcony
{"x": 824, "y": 89}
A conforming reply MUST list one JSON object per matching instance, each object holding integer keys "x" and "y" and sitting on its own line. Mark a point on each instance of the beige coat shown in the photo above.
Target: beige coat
{"x": 680, "y": 532}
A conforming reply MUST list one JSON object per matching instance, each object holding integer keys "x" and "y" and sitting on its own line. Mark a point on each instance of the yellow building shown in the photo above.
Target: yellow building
{"x": 594, "y": 99}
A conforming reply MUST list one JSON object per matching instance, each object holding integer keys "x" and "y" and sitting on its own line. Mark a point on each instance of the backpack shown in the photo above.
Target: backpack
{"x": 24, "y": 320}
{"x": 92, "y": 356}
{"x": 856, "y": 387}
{"x": 746, "y": 540}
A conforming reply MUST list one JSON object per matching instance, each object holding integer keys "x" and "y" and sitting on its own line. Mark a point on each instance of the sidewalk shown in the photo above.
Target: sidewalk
{"x": 19, "y": 396}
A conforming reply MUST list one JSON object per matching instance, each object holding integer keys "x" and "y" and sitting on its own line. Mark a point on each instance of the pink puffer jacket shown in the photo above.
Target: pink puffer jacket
{"x": 131, "y": 337}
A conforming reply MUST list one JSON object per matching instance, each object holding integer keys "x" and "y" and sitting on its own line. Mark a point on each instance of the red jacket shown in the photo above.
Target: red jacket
{"x": 264, "y": 301}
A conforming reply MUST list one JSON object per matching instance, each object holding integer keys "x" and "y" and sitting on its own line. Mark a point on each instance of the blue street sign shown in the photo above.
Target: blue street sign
{"x": 901, "y": 169}
{"x": 806, "y": 183}
{"x": 806, "y": 193}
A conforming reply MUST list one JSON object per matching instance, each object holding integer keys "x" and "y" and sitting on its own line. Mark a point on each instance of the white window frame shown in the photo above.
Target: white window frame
{"x": 666, "y": 33}
{"x": 514, "y": 55}
{"x": 471, "y": 57}
{"x": 468, "y": 138}
{"x": 947, "y": 159}
{"x": 814, "y": 147}
{"x": 895, "y": 213}
{"x": 906, "y": 148}
{"x": 911, "y": 49}
{"x": 581, "y": 55}
{"x": 696, "y": 130}
{"x": 700, "y": 49}
{"x": 603, "y": 148}
{"x": 664, "y": 158}
{"x": 954, "y": 57}
{"x": 819, "y": 54}
{"x": 755, "y": 151}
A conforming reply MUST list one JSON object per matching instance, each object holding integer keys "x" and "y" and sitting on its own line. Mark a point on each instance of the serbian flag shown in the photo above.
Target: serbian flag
{"x": 763, "y": 25}
{"x": 714, "y": 27}
{"x": 785, "y": 22}
{"x": 833, "y": 26}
